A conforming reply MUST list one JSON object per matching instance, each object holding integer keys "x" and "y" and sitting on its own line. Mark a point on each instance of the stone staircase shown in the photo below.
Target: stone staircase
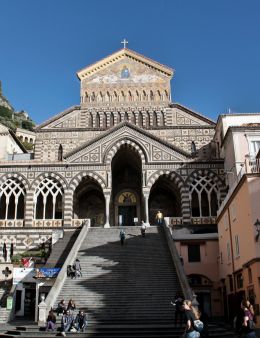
{"x": 126, "y": 284}
{"x": 125, "y": 290}
{"x": 61, "y": 249}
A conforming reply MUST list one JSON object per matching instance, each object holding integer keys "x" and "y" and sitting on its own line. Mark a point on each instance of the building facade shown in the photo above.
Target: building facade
{"x": 238, "y": 216}
{"x": 125, "y": 152}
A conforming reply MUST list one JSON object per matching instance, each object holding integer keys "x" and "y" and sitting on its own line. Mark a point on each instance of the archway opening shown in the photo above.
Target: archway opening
{"x": 164, "y": 196}
{"x": 126, "y": 187}
{"x": 89, "y": 202}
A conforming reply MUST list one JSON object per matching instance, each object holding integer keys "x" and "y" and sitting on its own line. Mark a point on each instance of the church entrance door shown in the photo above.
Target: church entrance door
{"x": 126, "y": 187}
{"x": 128, "y": 214}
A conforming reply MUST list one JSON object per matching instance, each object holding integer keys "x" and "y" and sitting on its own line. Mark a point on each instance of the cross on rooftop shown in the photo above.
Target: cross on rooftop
{"x": 125, "y": 42}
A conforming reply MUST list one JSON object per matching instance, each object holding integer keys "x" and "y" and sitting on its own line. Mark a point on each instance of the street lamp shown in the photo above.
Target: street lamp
{"x": 257, "y": 226}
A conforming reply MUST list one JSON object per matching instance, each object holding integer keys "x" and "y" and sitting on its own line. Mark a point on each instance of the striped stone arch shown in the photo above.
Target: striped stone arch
{"x": 16, "y": 176}
{"x": 172, "y": 175}
{"x": 110, "y": 153}
{"x": 77, "y": 179}
{"x": 55, "y": 176}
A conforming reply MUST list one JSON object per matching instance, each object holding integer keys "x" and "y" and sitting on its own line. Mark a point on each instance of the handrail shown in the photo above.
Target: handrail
{"x": 186, "y": 289}
{"x": 56, "y": 288}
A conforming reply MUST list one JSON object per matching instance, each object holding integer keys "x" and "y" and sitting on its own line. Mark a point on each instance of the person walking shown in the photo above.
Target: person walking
{"x": 248, "y": 325}
{"x": 143, "y": 228}
{"x": 51, "y": 321}
{"x": 179, "y": 310}
{"x": 122, "y": 236}
{"x": 159, "y": 218}
{"x": 77, "y": 268}
{"x": 191, "y": 315}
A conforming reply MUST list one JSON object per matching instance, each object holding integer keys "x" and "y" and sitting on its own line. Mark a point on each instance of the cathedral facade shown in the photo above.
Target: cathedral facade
{"x": 125, "y": 152}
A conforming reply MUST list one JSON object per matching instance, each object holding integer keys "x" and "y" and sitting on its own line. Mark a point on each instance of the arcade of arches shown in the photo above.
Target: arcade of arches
{"x": 124, "y": 203}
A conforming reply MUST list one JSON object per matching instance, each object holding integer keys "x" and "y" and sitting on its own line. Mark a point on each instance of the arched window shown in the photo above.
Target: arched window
{"x": 90, "y": 120}
{"x": 93, "y": 97}
{"x": 107, "y": 97}
{"x": 48, "y": 199}
{"x": 144, "y": 95}
{"x": 112, "y": 120}
{"x": 116, "y": 97}
{"x": 159, "y": 96}
{"x": 60, "y": 153}
{"x": 195, "y": 206}
{"x": 151, "y": 95}
{"x": 130, "y": 97}
{"x": 12, "y": 194}
{"x": 204, "y": 197}
{"x": 97, "y": 120}
{"x": 86, "y": 97}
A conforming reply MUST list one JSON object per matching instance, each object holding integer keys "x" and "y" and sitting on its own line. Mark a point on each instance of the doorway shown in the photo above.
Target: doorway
{"x": 128, "y": 214}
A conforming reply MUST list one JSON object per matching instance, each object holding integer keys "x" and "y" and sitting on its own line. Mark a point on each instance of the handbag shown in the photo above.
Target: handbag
{"x": 251, "y": 324}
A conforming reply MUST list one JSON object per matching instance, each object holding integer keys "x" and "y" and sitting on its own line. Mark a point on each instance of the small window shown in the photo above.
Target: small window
{"x": 228, "y": 252}
{"x": 194, "y": 253}
{"x": 255, "y": 146}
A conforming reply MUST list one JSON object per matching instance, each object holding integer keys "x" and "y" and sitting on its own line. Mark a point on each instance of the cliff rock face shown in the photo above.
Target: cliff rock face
{"x": 3, "y": 101}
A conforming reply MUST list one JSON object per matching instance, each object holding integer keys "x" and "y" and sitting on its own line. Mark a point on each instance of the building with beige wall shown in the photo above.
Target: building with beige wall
{"x": 239, "y": 247}
{"x": 10, "y": 146}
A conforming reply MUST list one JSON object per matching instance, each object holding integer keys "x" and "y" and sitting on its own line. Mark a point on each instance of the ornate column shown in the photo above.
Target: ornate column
{"x": 107, "y": 200}
{"x": 68, "y": 207}
{"x": 29, "y": 208}
{"x": 146, "y": 193}
{"x": 185, "y": 205}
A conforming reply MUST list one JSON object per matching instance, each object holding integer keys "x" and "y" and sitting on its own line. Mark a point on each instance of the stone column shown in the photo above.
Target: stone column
{"x": 29, "y": 209}
{"x": 146, "y": 208}
{"x": 68, "y": 208}
{"x": 107, "y": 200}
{"x": 185, "y": 205}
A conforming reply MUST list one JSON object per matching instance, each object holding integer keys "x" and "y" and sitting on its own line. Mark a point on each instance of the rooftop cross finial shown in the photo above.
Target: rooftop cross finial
{"x": 125, "y": 42}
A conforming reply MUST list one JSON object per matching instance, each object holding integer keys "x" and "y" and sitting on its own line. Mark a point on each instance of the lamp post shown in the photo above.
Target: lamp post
{"x": 257, "y": 226}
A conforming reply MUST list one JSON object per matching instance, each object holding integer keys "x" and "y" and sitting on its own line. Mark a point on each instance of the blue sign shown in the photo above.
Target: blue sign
{"x": 47, "y": 272}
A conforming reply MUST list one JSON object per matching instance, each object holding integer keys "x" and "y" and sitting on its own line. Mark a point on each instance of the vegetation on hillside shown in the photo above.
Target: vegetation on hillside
{"x": 15, "y": 120}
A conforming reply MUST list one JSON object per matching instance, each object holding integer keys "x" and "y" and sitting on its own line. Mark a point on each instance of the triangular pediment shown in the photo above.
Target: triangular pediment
{"x": 123, "y": 54}
{"x": 150, "y": 147}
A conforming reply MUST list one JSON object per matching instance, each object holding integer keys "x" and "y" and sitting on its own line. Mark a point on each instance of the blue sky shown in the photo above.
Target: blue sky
{"x": 214, "y": 46}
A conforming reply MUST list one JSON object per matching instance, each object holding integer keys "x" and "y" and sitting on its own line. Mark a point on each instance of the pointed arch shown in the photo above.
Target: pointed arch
{"x": 173, "y": 176}
{"x": 92, "y": 175}
{"x": 90, "y": 120}
{"x": 48, "y": 199}
{"x": 112, "y": 150}
{"x": 206, "y": 191}
{"x": 12, "y": 199}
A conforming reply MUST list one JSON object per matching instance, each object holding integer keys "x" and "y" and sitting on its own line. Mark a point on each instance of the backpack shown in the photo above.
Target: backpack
{"x": 198, "y": 325}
